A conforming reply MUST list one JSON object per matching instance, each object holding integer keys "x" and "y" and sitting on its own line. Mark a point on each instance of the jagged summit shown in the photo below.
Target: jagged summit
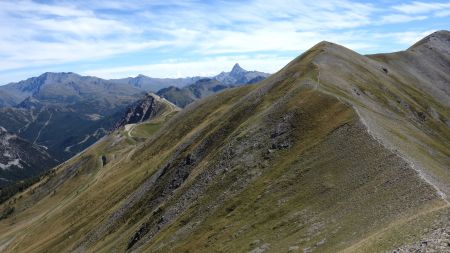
{"x": 237, "y": 70}
{"x": 238, "y": 76}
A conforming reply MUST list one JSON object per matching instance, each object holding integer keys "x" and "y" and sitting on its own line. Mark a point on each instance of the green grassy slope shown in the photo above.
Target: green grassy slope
{"x": 402, "y": 97}
{"x": 284, "y": 165}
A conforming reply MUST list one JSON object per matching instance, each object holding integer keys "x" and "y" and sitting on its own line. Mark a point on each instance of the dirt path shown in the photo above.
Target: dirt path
{"x": 355, "y": 247}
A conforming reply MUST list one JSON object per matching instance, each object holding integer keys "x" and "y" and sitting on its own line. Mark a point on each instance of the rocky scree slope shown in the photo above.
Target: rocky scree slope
{"x": 337, "y": 152}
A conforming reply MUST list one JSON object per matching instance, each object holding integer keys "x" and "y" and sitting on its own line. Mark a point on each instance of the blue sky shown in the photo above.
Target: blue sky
{"x": 167, "y": 38}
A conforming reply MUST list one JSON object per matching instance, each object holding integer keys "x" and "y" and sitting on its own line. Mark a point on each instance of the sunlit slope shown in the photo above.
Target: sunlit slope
{"x": 307, "y": 160}
{"x": 404, "y": 99}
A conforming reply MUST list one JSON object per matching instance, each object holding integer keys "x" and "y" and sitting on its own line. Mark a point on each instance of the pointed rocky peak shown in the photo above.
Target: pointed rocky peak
{"x": 237, "y": 70}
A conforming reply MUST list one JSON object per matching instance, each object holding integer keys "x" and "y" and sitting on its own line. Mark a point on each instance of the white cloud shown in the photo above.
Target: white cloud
{"x": 421, "y": 7}
{"x": 28, "y": 7}
{"x": 82, "y": 26}
{"x": 400, "y": 18}
{"x": 40, "y": 53}
{"x": 404, "y": 38}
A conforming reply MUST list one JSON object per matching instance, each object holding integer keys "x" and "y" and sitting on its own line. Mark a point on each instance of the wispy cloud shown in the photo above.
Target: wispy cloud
{"x": 400, "y": 18}
{"x": 421, "y": 7}
{"x": 45, "y": 35}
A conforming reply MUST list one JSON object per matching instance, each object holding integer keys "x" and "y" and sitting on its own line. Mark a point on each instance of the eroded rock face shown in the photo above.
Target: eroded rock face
{"x": 140, "y": 111}
{"x": 150, "y": 106}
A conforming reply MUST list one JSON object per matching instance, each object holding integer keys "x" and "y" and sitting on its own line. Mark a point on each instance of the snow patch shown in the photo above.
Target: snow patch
{"x": 15, "y": 162}
{"x": 94, "y": 117}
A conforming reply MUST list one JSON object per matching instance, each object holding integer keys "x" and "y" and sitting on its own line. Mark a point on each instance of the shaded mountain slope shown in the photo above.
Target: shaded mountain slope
{"x": 154, "y": 84}
{"x": 64, "y": 130}
{"x": 68, "y": 88}
{"x": 307, "y": 160}
{"x": 186, "y": 95}
{"x": 6, "y": 99}
{"x": 20, "y": 159}
{"x": 65, "y": 112}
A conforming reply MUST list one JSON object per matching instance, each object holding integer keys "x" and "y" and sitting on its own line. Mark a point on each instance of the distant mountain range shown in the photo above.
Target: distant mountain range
{"x": 154, "y": 84}
{"x": 186, "y": 95}
{"x": 64, "y": 113}
{"x": 71, "y": 88}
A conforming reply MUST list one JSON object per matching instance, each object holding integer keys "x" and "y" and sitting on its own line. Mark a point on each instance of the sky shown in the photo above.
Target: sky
{"x": 176, "y": 38}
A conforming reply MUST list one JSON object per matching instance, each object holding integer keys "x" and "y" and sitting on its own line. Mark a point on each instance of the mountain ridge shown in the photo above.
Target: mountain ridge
{"x": 14, "y": 92}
